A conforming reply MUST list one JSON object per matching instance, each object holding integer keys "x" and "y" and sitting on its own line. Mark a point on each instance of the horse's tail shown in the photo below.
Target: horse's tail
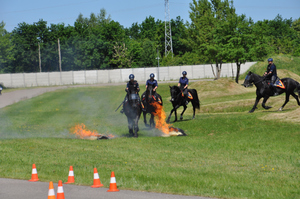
{"x": 298, "y": 88}
{"x": 196, "y": 101}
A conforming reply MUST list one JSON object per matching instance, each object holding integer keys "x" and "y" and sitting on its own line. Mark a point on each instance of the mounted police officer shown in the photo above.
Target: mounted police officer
{"x": 132, "y": 85}
{"x": 271, "y": 74}
{"x": 154, "y": 84}
{"x": 183, "y": 85}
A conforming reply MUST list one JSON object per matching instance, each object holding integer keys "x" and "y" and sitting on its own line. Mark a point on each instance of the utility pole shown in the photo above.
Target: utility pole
{"x": 40, "y": 62}
{"x": 59, "y": 55}
{"x": 168, "y": 34}
{"x": 157, "y": 64}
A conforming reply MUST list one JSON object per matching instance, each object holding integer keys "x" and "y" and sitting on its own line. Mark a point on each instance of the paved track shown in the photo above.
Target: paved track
{"x": 22, "y": 189}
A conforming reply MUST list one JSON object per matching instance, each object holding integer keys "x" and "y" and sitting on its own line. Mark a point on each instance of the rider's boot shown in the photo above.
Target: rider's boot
{"x": 273, "y": 88}
{"x": 122, "y": 111}
{"x": 186, "y": 99}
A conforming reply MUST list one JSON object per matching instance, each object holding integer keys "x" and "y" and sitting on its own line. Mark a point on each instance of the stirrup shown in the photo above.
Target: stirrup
{"x": 122, "y": 111}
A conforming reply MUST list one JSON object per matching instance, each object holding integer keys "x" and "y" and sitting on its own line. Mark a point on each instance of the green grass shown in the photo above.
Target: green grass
{"x": 228, "y": 153}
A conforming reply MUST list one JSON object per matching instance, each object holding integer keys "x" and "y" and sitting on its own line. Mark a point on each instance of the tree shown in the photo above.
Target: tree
{"x": 6, "y": 48}
{"x": 210, "y": 29}
{"x": 240, "y": 42}
{"x": 121, "y": 56}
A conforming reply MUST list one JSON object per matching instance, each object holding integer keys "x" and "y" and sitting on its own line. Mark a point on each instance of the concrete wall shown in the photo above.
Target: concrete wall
{"x": 116, "y": 75}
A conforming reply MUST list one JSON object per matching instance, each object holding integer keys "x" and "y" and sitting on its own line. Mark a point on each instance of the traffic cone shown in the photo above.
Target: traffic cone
{"x": 113, "y": 184}
{"x": 51, "y": 193}
{"x": 34, "y": 176}
{"x": 60, "y": 191}
{"x": 97, "y": 182}
{"x": 71, "y": 176}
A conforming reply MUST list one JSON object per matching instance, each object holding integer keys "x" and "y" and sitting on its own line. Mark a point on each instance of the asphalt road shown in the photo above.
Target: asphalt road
{"x": 23, "y": 189}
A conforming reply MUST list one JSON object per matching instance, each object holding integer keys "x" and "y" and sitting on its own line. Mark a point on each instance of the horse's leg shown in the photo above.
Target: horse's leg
{"x": 255, "y": 104}
{"x": 264, "y": 103}
{"x": 184, "y": 108}
{"x": 136, "y": 127}
{"x": 145, "y": 118}
{"x": 287, "y": 99}
{"x": 296, "y": 97}
{"x": 152, "y": 121}
{"x": 130, "y": 125}
{"x": 168, "y": 120}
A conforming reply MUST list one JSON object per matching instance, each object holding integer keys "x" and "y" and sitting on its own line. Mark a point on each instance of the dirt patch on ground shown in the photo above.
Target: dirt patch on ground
{"x": 289, "y": 116}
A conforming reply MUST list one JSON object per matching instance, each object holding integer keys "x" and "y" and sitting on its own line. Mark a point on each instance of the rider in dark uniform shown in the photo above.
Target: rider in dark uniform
{"x": 271, "y": 74}
{"x": 183, "y": 85}
{"x": 131, "y": 85}
{"x": 154, "y": 84}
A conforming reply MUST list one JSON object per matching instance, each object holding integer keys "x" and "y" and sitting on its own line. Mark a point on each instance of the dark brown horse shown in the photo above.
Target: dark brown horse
{"x": 149, "y": 97}
{"x": 263, "y": 90}
{"x": 177, "y": 100}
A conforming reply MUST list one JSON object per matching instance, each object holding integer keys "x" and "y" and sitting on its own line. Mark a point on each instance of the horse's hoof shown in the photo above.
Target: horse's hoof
{"x": 280, "y": 109}
{"x": 268, "y": 107}
{"x": 181, "y": 118}
{"x": 251, "y": 111}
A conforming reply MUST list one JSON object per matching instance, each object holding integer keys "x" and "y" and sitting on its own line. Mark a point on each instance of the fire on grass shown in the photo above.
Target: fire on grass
{"x": 162, "y": 125}
{"x": 81, "y": 132}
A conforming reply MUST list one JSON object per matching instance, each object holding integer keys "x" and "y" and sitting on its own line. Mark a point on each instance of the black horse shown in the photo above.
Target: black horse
{"x": 178, "y": 100}
{"x": 132, "y": 109}
{"x": 263, "y": 90}
{"x": 149, "y": 97}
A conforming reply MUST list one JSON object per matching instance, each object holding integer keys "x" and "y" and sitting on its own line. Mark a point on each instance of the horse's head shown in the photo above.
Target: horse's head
{"x": 174, "y": 91}
{"x": 150, "y": 91}
{"x": 248, "y": 80}
{"x": 133, "y": 98}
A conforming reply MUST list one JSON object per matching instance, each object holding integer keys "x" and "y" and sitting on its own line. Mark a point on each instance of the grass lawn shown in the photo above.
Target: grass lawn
{"x": 228, "y": 152}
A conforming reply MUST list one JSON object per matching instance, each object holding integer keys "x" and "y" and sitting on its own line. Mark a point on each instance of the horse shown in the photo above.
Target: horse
{"x": 263, "y": 90}
{"x": 149, "y": 97}
{"x": 132, "y": 110}
{"x": 177, "y": 100}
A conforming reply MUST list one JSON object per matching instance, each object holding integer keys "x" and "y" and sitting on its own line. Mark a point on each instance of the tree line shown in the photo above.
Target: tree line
{"x": 215, "y": 35}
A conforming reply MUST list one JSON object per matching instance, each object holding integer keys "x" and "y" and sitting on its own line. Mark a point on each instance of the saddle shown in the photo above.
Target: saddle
{"x": 189, "y": 95}
{"x": 278, "y": 83}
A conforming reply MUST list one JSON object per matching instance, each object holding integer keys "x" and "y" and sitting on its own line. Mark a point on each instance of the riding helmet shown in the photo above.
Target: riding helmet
{"x": 270, "y": 59}
{"x": 184, "y": 72}
{"x": 131, "y": 76}
{"x": 152, "y": 75}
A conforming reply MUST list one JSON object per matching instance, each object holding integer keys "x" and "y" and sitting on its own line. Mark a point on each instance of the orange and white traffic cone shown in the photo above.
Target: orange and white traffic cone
{"x": 60, "y": 191}
{"x": 97, "y": 182}
{"x": 71, "y": 176}
{"x": 51, "y": 193}
{"x": 113, "y": 184}
{"x": 34, "y": 176}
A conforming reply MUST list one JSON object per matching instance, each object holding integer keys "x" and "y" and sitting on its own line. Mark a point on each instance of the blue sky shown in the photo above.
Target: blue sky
{"x": 127, "y": 12}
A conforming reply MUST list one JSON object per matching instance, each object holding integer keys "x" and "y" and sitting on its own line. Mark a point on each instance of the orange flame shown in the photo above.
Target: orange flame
{"x": 80, "y": 131}
{"x": 160, "y": 118}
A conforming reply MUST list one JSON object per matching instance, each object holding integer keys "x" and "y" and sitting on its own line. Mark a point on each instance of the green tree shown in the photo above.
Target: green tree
{"x": 6, "y": 48}
{"x": 210, "y": 29}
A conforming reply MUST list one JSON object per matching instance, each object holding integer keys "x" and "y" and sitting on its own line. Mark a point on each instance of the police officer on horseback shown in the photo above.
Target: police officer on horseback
{"x": 132, "y": 85}
{"x": 154, "y": 84}
{"x": 183, "y": 85}
{"x": 271, "y": 74}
